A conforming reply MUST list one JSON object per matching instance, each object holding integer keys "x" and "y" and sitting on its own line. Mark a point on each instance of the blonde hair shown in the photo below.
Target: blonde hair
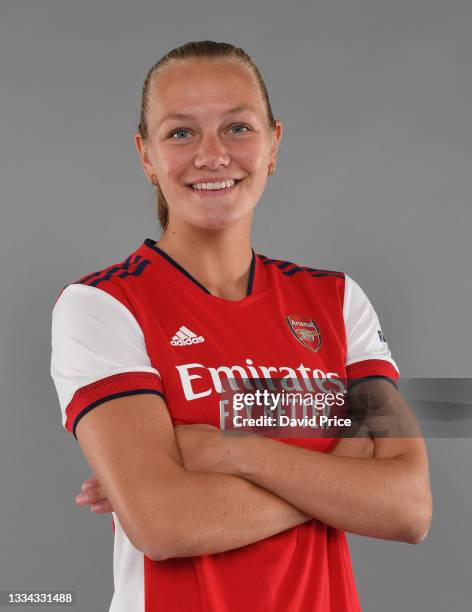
{"x": 199, "y": 49}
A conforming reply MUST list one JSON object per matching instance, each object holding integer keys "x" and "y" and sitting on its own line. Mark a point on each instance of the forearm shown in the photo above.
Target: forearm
{"x": 210, "y": 513}
{"x": 375, "y": 497}
{"x": 223, "y": 511}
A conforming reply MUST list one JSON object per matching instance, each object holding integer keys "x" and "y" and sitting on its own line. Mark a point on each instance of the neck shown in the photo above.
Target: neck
{"x": 219, "y": 260}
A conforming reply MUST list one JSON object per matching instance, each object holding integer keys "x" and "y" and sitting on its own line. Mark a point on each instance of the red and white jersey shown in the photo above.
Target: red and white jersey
{"x": 145, "y": 325}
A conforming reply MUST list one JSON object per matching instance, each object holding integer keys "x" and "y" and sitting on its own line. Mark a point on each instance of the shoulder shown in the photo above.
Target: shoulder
{"x": 293, "y": 276}
{"x": 355, "y": 299}
{"x": 107, "y": 285}
{"x": 292, "y": 269}
{"x": 347, "y": 291}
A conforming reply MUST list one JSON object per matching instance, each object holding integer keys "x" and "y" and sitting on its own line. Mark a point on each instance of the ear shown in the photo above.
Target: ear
{"x": 277, "y": 136}
{"x": 146, "y": 163}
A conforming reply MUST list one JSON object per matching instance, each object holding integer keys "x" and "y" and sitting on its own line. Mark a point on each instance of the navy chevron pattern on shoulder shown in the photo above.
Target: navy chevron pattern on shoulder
{"x": 289, "y": 268}
{"x": 127, "y": 268}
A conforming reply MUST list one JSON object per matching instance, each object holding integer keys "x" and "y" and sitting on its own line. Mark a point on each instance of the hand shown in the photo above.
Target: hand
{"x": 92, "y": 495}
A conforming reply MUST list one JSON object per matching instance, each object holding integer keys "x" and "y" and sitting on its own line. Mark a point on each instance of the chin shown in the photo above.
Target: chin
{"x": 215, "y": 223}
{"x": 220, "y": 219}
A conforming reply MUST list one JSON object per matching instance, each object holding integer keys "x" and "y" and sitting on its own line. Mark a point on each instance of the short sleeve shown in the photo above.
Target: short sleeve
{"x": 98, "y": 352}
{"x": 368, "y": 354}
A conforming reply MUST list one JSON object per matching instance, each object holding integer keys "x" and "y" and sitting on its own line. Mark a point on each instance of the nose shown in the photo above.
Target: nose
{"x": 211, "y": 153}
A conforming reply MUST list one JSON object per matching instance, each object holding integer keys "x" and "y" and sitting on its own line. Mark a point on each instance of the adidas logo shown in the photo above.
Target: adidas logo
{"x": 185, "y": 337}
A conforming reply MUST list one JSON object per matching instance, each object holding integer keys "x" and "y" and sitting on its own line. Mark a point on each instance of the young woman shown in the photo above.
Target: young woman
{"x": 144, "y": 350}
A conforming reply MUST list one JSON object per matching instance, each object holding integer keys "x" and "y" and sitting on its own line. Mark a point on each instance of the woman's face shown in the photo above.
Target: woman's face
{"x": 207, "y": 124}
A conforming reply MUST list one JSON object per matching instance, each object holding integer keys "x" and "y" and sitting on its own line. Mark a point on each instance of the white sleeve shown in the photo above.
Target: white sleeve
{"x": 98, "y": 352}
{"x": 367, "y": 351}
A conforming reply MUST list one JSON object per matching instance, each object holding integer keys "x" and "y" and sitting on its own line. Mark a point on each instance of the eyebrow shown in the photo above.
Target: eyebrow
{"x": 231, "y": 111}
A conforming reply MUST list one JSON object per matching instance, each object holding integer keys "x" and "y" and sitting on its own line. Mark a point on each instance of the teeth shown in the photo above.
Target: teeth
{"x": 213, "y": 186}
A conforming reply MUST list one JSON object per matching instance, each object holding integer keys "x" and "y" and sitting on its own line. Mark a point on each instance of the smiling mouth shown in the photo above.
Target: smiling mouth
{"x": 215, "y": 192}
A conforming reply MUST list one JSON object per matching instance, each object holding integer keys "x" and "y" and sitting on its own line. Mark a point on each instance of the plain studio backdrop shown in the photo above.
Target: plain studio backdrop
{"x": 373, "y": 179}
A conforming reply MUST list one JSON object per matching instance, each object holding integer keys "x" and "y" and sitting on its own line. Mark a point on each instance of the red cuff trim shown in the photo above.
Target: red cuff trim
{"x": 117, "y": 385}
{"x": 372, "y": 367}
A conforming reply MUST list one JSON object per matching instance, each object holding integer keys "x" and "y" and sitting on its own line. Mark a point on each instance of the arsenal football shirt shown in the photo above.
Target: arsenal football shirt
{"x": 145, "y": 325}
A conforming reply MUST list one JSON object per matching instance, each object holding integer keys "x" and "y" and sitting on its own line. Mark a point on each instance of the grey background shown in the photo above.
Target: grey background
{"x": 374, "y": 179}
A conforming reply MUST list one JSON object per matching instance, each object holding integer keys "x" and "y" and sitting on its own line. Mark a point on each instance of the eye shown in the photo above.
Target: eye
{"x": 177, "y": 131}
{"x": 239, "y": 125}
{"x": 182, "y": 130}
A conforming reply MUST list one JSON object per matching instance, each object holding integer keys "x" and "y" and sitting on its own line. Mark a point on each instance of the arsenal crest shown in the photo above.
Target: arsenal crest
{"x": 305, "y": 331}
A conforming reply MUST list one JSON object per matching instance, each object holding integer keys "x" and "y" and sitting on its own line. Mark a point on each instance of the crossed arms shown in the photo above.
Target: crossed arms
{"x": 192, "y": 491}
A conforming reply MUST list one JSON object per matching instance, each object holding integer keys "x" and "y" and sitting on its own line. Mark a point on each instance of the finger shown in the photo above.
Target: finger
{"x": 101, "y": 507}
{"x": 91, "y": 483}
{"x": 91, "y": 497}
{"x": 82, "y": 500}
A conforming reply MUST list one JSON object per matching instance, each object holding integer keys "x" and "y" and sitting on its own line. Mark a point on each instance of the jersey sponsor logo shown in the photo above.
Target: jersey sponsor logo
{"x": 200, "y": 381}
{"x": 305, "y": 331}
{"x": 185, "y": 337}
